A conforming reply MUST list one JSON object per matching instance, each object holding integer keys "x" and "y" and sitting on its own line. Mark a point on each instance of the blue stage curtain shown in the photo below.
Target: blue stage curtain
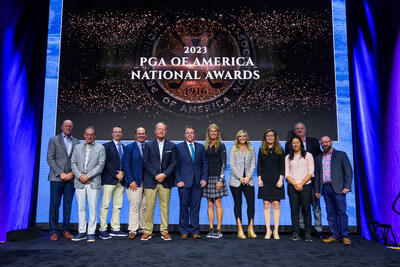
{"x": 23, "y": 31}
{"x": 374, "y": 56}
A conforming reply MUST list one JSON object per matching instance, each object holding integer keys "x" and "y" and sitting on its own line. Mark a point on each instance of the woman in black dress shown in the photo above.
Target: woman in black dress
{"x": 216, "y": 185}
{"x": 270, "y": 171}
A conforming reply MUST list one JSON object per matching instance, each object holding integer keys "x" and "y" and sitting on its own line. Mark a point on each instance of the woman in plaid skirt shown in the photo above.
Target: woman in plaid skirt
{"x": 216, "y": 186}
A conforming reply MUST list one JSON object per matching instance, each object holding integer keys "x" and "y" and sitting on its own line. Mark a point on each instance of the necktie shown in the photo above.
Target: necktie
{"x": 142, "y": 148}
{"x": 192, "y": 150}
{"x": 120, "y": 155}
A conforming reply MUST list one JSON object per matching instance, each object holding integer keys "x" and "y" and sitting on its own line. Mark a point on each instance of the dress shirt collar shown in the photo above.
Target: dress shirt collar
{"x": 140, "y": 146}
{"x": 159, "y": 142}
{"x": 64, "y": 136}
{"x": 116, "y": 143}
{"x": 329, "y": 153}
{"x": 87, "y": 145}
{"x": 188, "y": 143}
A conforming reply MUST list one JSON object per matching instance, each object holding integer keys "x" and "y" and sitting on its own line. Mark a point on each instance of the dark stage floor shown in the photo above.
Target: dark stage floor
{"x": 227, "y": 251}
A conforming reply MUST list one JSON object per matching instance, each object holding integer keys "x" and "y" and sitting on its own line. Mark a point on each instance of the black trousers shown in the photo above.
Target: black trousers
{"x": 249, "y": 194}
{"x": 303, "y": 199}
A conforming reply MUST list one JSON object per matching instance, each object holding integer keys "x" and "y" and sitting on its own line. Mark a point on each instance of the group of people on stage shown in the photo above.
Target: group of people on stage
{"x": 151, "y": 169}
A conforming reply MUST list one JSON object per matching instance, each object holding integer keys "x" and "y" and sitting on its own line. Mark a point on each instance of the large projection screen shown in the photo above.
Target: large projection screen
{"x": 249, "y": 65}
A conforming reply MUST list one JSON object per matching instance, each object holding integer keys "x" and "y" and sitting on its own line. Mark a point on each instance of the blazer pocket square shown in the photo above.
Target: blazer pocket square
{"x": 169, "y": 151}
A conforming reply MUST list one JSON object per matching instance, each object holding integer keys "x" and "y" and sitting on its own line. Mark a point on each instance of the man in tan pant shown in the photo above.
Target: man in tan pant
{"x": 159, "y": 161}
{"x": 132, "y": 165}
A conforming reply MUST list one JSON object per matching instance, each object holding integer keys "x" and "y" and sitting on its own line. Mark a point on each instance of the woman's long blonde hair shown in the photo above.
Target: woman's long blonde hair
{"x": 208, "y": 139}
{"x": 237, "y": 145}
{"x": 276, "y": 146}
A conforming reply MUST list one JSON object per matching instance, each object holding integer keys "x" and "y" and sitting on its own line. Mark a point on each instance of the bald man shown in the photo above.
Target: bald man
{"x": 61, "y": 178}
{"x": 333, "y": 173}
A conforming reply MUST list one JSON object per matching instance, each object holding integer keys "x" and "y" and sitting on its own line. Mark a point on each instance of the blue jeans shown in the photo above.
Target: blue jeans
{"x": 336, "y": 212}
{"x": 57, "y": 190}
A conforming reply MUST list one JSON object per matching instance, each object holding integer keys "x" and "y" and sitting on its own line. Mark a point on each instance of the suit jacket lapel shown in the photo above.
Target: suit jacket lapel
{"x": 332, "y": 160}
{"x": 188, "y": 151}
{"x": 74, "y": 143}
{"x": 61, "y": 140}
{"x": 197, "y": 150}
{"x": 83, "y": 151}
{"x": 155, "y": 145}
{"x": 114, "y": 148}
{"x": 137, "y": 149}
{"x": 90, "y": 153}
{"x": 164, "y": 149}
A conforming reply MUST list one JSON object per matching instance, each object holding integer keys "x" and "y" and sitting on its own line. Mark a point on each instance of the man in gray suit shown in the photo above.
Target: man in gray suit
{"x": 87, "y": 162}
{"x": 61, "y": 178}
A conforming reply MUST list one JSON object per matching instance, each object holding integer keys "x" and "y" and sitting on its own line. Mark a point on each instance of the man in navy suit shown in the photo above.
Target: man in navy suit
{"x": 333, "y": 172}
{"x": 191, "y": 176}
{"x": 112, "y": 179}
{"x": 132, "y": 165}
{"x": 159, "y": 161}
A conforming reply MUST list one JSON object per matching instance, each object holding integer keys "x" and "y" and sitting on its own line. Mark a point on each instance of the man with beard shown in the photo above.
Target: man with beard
{"x": 333, "y": 172}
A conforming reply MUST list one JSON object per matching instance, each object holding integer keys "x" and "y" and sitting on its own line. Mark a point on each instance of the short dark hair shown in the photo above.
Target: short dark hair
{"x": 188, "y": 127}
{"x": 140, "y": 127}
{"x": 117, "y": 126}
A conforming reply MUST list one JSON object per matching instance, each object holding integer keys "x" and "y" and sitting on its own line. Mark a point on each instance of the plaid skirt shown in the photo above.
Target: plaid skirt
{"x": 210, "y": 191}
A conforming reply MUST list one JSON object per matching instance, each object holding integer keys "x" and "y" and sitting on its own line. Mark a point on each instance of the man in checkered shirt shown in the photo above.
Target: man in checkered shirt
{"x": 333, "y": 172}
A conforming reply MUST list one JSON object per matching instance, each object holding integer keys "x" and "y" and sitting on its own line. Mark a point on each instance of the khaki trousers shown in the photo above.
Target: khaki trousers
{"x": 116, "y": 192}
{"x": 163, "y": 201}
{"x": 137, "y": 208}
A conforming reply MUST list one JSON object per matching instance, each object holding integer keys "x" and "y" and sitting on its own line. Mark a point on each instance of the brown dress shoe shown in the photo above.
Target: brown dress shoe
{"x": 183, "y": 237}
{"x": 68, "y": 235}
{"x": 330, "y": 239}
{"x": 196, "y": 236}
{"x": 145, "y": 237}
{"x": 166, "y": 237}
{"x": 346, "y": 241}
{"x": 54, "y": 237}
{"x": 131, "y": 235}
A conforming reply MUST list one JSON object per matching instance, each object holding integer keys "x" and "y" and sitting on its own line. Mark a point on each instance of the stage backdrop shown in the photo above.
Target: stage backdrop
{"x": 247, "y": 65}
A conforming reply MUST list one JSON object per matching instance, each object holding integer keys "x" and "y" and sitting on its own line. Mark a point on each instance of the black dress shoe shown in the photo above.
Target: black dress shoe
{"x": 319, "y": 235}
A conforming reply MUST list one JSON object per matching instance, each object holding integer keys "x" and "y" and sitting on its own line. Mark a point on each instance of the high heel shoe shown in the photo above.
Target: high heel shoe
{"x": 276, "y": 236}
{"x": 250, "y": 233}
{"x": 240, "y": 234}
{"x": 268, "y": 235}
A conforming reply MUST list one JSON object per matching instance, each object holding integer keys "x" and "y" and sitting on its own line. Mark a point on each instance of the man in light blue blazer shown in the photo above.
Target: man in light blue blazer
{"x": 87, "y": 163}
{"x": 191, "y": 176}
